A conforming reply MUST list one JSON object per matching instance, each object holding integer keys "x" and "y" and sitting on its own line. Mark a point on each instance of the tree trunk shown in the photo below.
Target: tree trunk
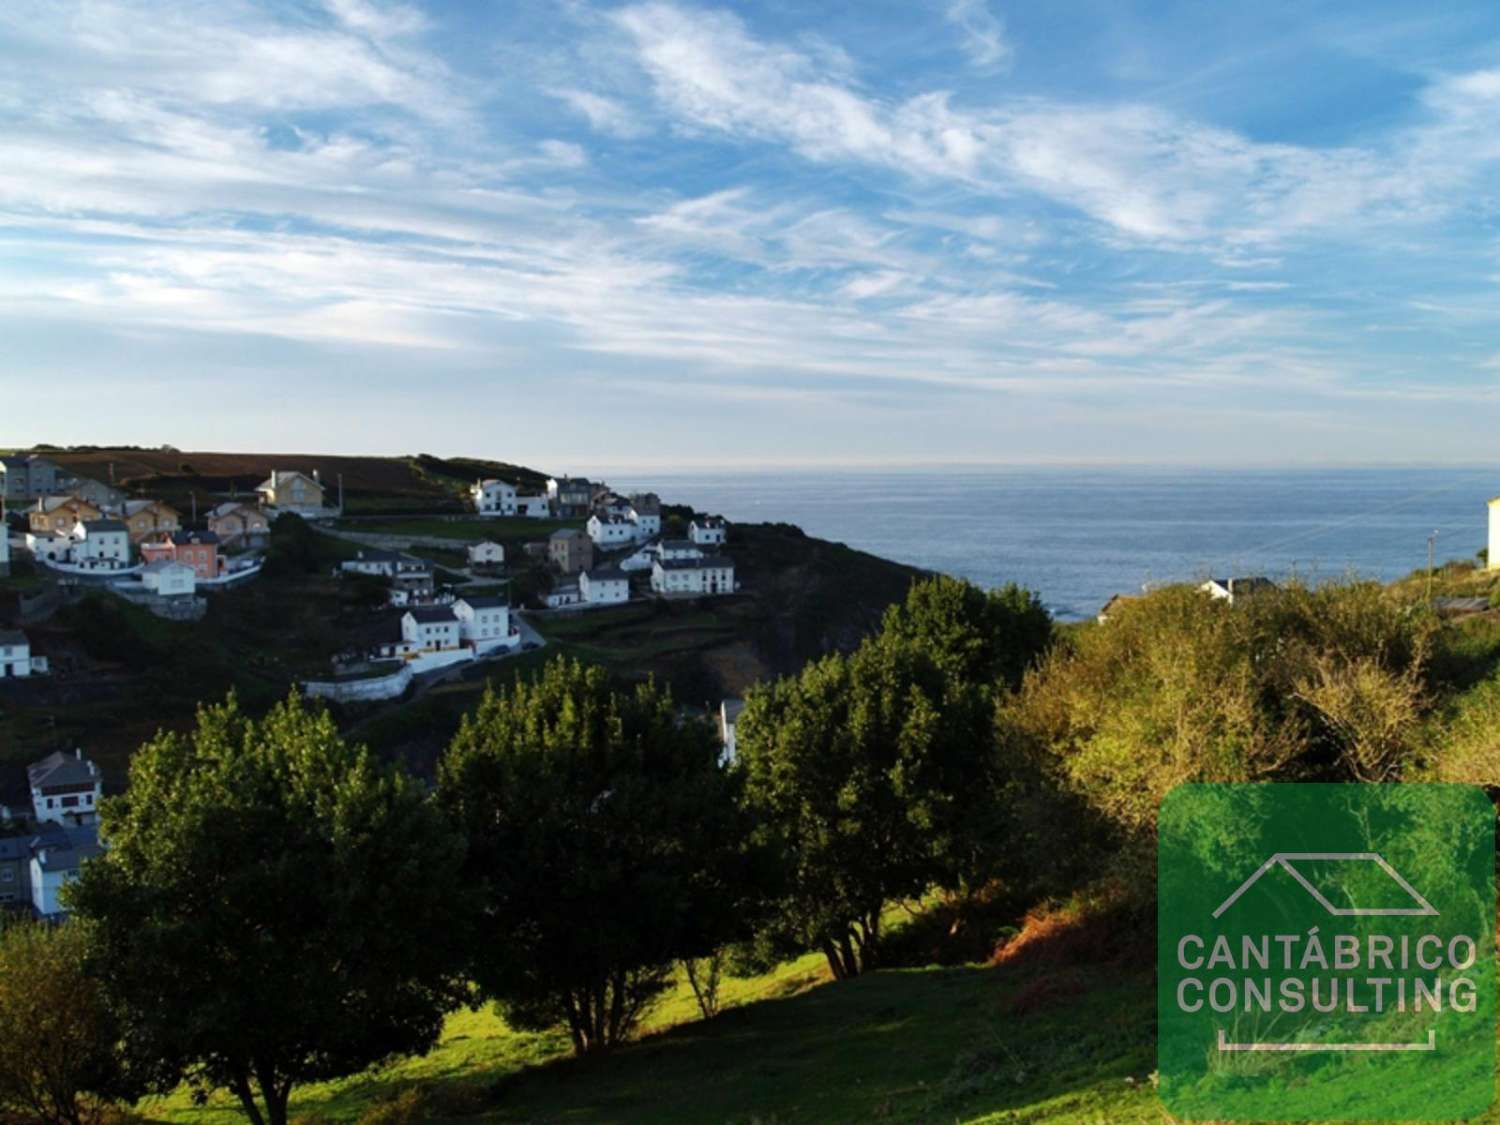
{"x": 241, "y": 1087}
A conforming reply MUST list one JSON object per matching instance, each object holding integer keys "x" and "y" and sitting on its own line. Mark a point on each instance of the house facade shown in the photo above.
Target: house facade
{"x": 645, "y": 513}
{"x": 168, "y": 579}
{"x": 679, "y": 549}
{"x": 1493, "y": 554}
{"x": 290, "y": 491}
{"x": 196, "y": 549}
{"x": 406, "y": 572}
{"x": 106, "y": 496}
{"x": 487, "y": 553}
{"x": 570, "y": 550}
{"x": 57, "y": 856}
{"x": 609, "y": 531}
{"x": 56, "y": 515}
{"x": 484, "y": 621}
{"x": 712, "y": 574}
{"x": 493, "y": 497}
{"x": 101, "y": 544}
{"x": 65, "y": 788}
{"x": 16, "y": 660}
{"x": 431, "y": 628}
{"x": 708, "y": 531}
{"x": 28, "y": 476}
{"x": 533, "y": 506}
{"x": 564, "y": 594}
{"x": 145, "y": 518}
{"x": 239, "y": 525}
{"x": 570, "y": 497}
{"x": 604, "y": 585}
{"x": 4, "y": 542}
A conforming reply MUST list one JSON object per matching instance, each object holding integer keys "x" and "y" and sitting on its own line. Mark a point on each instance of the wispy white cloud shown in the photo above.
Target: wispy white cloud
{"x": 606, "y": 115}
{"x": 984, "y": 38}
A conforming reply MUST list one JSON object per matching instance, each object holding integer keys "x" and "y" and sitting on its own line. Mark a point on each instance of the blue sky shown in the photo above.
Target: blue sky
{"x": 661, "y": 233}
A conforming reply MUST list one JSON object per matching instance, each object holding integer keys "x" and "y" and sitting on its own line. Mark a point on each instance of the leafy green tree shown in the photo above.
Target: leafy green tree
{"x": 273, "y": 908}
{"x": 975, "y": 636}
{"x": 58, "y": 1057}
{"x": 873, "y": 775}
{"x": 606, "y": 843}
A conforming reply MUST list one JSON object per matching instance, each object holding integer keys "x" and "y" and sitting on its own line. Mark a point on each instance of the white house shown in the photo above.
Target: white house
{"x": 729, "y": 717}
{"x": 49, "y": 548}
{"x": 402, "y": 569}
{"x": 1493, "y": 556}
{"x": 610, "y": 531}
{"x": 564, "y": 593}
{"x": 712, "y": 574}
{"x": 487, "y": 553}
{"x": 16, "y": 660}
{"x": 533, "y": 506}
{"x": 65, "y": 788}
{"x": 431, "y": 628}
{"x": 101, "y": 543}
{"x": 169, "y": 579}
{"x": 484, "y": 621}
{"x": 1228, "y": 589}
{"x": 494, "y": 497}
{"x": 57, "y": 855}
{"x": 707, "y": 531}
{"x": 645, "y": 513}
{"x": 604, "y": 585}
{"x": 679, "y": 549}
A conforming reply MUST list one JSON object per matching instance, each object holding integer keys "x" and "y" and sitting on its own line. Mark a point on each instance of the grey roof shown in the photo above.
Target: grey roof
{"x": 58, "y": 768}
{"x": 66, "y": 848}
{"x": 709, "y": 521}
{"x": 103, "y": 525}
{"x": 680, "y": 545}
{"x": 607, "y": 574}
{"x": 187, "y": 538}
{"x": 13, "y": 637}
{"x": 705, "y": 563}
{"x": 485, "y": 601}
{"x": 429, "y": 614}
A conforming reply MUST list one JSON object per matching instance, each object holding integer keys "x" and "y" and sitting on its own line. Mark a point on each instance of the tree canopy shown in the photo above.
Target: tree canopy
{"x": 273, "y": 907}
{"x": 606, "y": 842}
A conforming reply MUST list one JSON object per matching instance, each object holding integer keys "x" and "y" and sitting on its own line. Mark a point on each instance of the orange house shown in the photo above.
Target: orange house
{"x": 197, "y": 549}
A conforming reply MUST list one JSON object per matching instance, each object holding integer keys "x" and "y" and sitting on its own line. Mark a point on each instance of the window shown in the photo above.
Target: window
{"x": 7, "y": 875}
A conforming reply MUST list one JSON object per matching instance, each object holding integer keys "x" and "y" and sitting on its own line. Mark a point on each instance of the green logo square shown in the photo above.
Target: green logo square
{"x": 1326, "y": 952}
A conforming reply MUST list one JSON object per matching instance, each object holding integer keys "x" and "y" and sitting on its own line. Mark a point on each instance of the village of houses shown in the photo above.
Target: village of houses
{"x": 76, "y": 531}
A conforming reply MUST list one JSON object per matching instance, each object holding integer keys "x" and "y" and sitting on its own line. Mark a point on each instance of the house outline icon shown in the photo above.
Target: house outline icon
{"x": 1284, "y": 860}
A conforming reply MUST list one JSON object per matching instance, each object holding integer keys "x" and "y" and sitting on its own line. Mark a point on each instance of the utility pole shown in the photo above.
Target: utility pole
{"x": 1431, "y": 554}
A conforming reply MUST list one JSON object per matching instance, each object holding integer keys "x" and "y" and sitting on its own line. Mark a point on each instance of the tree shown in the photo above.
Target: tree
{"x": 273, "y": 908}
{"x": 976, "y": 637}
{"x": 606, "y": 843}
{"x": 58, "y": 1061}
{"x": 869, "y": 774}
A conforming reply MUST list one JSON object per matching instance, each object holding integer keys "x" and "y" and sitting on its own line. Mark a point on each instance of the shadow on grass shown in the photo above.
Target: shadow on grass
{"x": 913, "y": 1045}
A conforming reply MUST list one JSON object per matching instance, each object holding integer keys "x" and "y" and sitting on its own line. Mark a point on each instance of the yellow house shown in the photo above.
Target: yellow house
{"x": 239, "y": 524}
{"x": 292, "y": 491}
{"x": 144, "y": 518}
{"x": 1494, "y": 553}
{"x": 56, "y": 515}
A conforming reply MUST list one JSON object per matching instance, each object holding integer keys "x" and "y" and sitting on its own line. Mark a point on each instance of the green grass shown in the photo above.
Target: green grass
{"x": 934, "y": 1044}
{"x": 501, "y": 529}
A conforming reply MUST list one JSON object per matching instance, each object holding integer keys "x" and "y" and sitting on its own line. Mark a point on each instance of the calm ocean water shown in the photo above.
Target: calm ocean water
{"x": 1079, "y": 535}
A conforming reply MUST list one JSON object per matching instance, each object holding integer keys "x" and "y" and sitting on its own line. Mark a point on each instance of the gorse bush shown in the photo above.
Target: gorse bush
{"x": 1325, "y": 684}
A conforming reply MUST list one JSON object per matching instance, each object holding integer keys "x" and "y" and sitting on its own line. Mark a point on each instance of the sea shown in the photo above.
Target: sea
{"x": 1078, "y": 535}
